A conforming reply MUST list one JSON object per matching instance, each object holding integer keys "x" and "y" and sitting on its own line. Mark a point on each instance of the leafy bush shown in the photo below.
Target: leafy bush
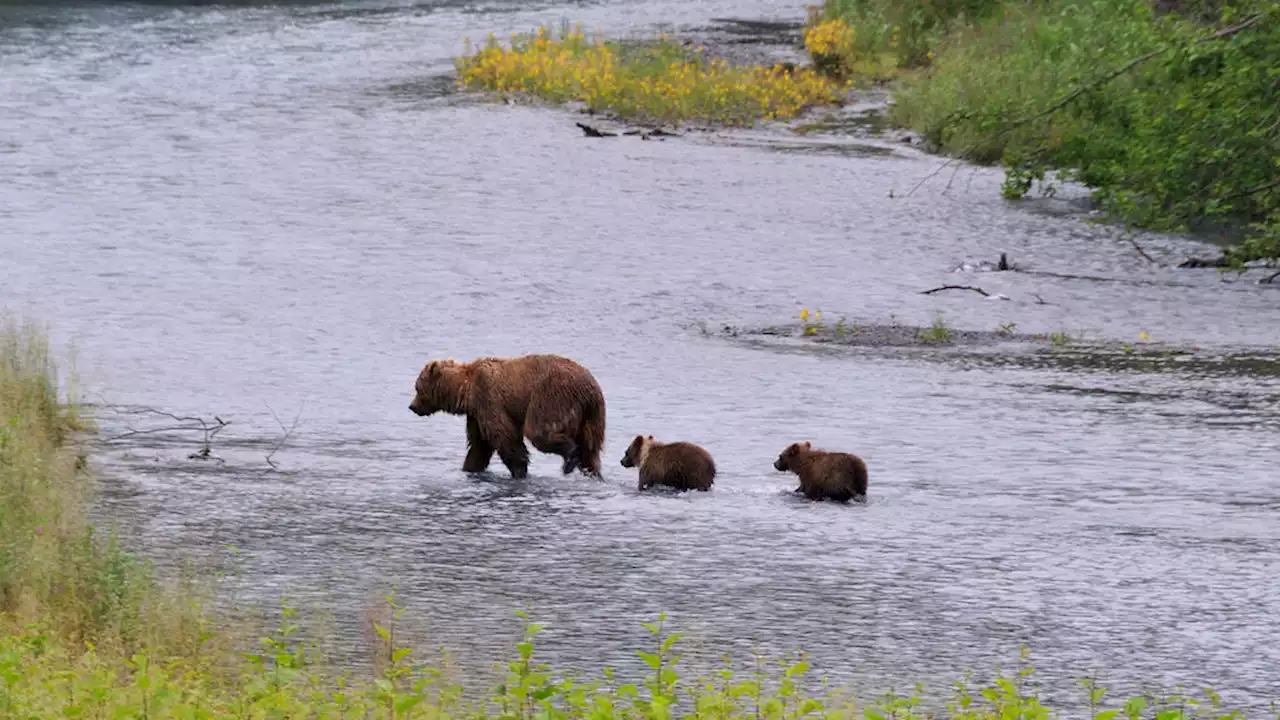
{"x": 1174, "y": 126}
{"x": 908, "y": 30}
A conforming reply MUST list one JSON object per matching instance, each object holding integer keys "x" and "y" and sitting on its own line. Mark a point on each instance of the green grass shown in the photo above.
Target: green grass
{"x": 938, "y": 332}
{"x": 86, "y": 630}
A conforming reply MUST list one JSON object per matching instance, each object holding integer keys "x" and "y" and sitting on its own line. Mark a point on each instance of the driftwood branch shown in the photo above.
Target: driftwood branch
{"x": 288, "y": 432}
{"x": 1270, "y": 278}
{"x": 1138, "y": 247}
{"x": 188, "y": 423}
{"x": 973, "y": 288}
{"x": 1071, "y": 97}
{"x": 593, "y": 132}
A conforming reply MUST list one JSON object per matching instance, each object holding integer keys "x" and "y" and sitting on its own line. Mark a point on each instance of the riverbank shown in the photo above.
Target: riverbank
{"x": 1167, "y": 117}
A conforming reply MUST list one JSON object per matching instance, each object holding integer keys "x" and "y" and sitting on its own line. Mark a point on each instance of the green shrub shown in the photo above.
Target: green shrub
{"x": 1173, "y": 127}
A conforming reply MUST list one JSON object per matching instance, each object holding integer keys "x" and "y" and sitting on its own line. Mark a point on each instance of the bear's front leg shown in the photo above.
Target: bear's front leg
{"x": 479, "y": 451}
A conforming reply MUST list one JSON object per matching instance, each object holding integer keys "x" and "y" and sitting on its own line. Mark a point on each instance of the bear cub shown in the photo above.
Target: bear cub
{"x": 680, "y": 465}
{"x": 836, "y": 476}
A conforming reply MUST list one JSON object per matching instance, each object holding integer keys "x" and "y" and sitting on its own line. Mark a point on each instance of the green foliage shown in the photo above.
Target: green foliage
{"x": 41, "y": 675}
{"x": 909, "y": 31}
{"x": 54, "y": 567}
{"x": 1174, "y": 128}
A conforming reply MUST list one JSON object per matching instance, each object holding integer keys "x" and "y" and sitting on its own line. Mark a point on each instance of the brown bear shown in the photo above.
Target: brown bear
{"x": 681, "y": 465}
{"x": 551, "y": 400}
{"x": 835, "y": 475}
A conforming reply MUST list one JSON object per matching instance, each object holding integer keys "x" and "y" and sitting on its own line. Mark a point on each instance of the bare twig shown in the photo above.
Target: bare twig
{"x": 287, "y": 432}
{"x": 1270, "y": 278}
{"x": 209, "y": 430}
{"x": 1138, "y": 247}
{"x": 1254, "y": 190}
{"x": 1070, "y": 97}
{"x": 973, "y": 288}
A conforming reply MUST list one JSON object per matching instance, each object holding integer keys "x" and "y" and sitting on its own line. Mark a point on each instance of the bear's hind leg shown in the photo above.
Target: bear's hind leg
{"x": 516, "y": 458}
{"x": 558, "y": 444}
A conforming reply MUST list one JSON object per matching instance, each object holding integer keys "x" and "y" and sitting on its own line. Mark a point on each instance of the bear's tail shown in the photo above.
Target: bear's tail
{"x": 591, "y": 436}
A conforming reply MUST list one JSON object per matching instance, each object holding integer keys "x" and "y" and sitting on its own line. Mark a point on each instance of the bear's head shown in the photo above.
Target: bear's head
{"x": 439, "y": 387}
{"x": 787, "y": 458}
{"x": 636, "y": 451}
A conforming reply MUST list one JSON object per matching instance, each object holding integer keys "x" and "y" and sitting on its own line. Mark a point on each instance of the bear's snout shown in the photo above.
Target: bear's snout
{"x": 779, "y": 464}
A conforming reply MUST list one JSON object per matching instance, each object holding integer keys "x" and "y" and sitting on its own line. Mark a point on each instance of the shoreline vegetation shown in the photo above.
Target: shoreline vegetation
{"x": 1167, "y": 110}
{"x": 87, "y": 629}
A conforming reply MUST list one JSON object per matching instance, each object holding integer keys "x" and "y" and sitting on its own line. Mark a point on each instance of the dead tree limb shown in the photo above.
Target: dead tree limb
{"x": 972, "y": 288}
{"x": 1270, "y": 278}
{"x": 288, "y": 432}
{"x": 593, "y": 132}
{"x": 1138, "y": 247}
{"x": 189, "y": 423}
{"x": 1071, "y": 97}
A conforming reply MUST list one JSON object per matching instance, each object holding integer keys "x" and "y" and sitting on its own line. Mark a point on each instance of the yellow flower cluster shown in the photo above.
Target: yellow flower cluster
{"x": 833, "y": 37}
{"x": 830, "y": 44}
{"x": 666, "y": 83}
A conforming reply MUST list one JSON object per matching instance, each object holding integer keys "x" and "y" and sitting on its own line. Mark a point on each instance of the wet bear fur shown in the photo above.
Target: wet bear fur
{"x": 680, "y": 465}
{"x": 835, "y": 476}
{"x": 551, "y": 400}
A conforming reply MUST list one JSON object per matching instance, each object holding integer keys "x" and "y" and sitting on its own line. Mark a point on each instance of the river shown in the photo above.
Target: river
{"x": 236, "y": 211}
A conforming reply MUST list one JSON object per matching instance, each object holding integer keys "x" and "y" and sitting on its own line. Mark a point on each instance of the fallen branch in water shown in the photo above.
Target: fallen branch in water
{"x": 288, "y": 432}
{"x": 592, "y": 132}
{"x": 1138, "y": 247}
{"x": 973, "y": 288}
{"x": 1270, "y": 278}
{"x": 1199, "y": 262}
{"x": 190, "y": 423}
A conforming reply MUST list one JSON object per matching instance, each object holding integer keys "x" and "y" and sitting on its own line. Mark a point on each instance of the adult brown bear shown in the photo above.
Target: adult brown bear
{"x": 681, "y": 465}
{"x": 551, "y": 400}
{"x": 836, "y": 475}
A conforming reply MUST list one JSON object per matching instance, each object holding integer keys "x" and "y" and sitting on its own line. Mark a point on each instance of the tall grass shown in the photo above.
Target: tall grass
{"x": 87, "y": 632}
{"x": 55, "y": 568}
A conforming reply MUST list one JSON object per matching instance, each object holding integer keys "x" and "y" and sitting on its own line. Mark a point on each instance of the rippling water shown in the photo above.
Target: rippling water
{"x": 236, "y": 211}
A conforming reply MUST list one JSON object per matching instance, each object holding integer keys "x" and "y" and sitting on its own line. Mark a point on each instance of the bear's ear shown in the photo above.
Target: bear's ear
{"x": 808, "y": 445}
{"x": 650, "y": 438}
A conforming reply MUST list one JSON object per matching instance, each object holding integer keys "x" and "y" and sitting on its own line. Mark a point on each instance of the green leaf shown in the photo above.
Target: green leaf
{"x": 1134, "y": 707}
{"x": 1106, "y": 715}
{"x": 406, "y": 704}
{"x": 653, "y": 661}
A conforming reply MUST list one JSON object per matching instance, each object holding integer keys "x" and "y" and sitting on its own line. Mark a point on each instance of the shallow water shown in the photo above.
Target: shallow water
{"x": 236, "y": 211}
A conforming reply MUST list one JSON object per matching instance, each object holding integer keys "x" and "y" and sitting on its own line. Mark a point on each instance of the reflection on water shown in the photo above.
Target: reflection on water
{"x": 241, "y": 211}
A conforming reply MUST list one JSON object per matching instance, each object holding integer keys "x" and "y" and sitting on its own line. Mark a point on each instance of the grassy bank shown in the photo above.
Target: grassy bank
{"x": 87, "y": 631}
{"x": 1172, "y": 118}
{"x": 660, "y": 81}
